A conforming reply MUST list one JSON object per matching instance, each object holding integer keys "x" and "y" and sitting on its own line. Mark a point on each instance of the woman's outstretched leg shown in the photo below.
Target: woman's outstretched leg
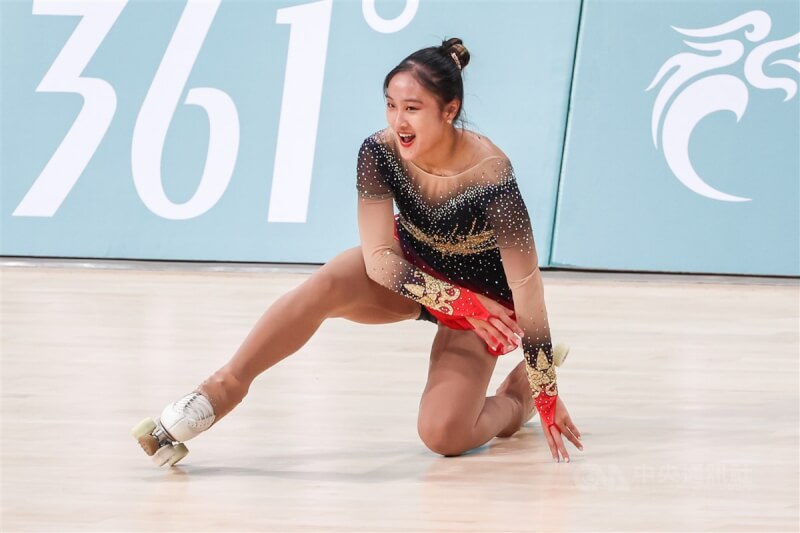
{"x": 455, "y": 415}
{"x": 341, "y": 288}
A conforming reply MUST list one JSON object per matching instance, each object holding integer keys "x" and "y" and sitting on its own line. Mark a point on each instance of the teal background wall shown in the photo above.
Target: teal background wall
{"x": 621, "y": 206}
{"x": 272, "y": 99}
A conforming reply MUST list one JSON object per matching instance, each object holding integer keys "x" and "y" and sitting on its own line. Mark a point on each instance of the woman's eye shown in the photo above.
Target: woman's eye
{"x": 411, "y": 109}
{"x": 389, "y": 105}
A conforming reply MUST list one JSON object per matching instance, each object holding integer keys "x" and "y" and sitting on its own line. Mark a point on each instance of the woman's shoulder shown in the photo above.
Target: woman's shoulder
{"x": 483, "y": 146}
{"x": 491, "y": 160}
{"x": 381, "y": 139}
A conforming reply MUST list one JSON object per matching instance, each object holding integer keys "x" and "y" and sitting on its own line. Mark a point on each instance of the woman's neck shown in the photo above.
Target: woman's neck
{"x": 443, "y": 161}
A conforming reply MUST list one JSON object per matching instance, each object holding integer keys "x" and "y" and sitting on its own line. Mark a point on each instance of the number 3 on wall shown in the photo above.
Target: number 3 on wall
{"x": 297, "y": 129}
{"x": 99, "y": 102}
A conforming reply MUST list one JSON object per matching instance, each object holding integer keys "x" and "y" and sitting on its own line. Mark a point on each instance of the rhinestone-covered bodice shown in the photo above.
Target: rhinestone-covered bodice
{"x": 471, "y": 228}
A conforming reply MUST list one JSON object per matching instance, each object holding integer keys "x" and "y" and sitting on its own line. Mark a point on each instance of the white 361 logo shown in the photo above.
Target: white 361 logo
{"x": 297, "y": 130}
{"x": 717, "y": 92}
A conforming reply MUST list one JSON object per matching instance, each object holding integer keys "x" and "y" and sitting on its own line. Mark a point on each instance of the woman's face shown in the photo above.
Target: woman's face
{"x": 416, "y": 116}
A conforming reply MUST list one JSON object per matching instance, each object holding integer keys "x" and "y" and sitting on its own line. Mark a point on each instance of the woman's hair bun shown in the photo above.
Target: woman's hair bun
{"x": 456, "y": 46}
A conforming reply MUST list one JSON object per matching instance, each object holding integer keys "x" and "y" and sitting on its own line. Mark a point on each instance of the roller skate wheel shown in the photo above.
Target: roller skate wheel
{"x": 180, "y": 452}
{"x": 560, "y": 353}
{"x": 163, "y": 455}
{"x": 145, "y": 427}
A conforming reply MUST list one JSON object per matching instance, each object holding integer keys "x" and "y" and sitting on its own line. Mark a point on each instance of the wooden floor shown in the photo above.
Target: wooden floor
{"x": 685, "y": 389}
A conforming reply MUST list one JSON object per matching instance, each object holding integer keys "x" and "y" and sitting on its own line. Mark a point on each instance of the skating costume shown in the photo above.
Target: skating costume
{"x": 456, "y": 236}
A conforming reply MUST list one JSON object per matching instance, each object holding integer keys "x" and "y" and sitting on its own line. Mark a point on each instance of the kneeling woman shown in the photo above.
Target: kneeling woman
{"x": 460, "y": 253}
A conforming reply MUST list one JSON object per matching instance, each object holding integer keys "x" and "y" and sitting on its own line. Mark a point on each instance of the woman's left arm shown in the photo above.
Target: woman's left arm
{"x": 511, "y": 224}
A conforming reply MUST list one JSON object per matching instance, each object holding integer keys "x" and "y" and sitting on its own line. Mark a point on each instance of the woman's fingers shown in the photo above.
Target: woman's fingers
{"x": 487, "y": 337}
{"x": 572, "y": 428}
{"x": 494, "y": 333}
{"x": 567, "y": 432}
{"x": 502, "y": 312}
{"x": 556, "y": 433}
{"x": 505, "y": 331}
{"x": 476, "y": 327}
{"x": 551, "y": 443}
{"x": 492, "y": 336}
{"x": 483, "y": 335}
{"x": 556, "y": 443}
{"x": 507, "y": 316}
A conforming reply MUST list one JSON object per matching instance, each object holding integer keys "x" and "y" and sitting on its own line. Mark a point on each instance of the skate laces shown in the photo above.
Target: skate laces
{"x": 197, "y": 409}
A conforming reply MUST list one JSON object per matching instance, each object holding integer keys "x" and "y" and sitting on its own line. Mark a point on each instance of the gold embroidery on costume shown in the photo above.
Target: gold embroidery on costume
{"x": 432, "y": 292}
{"x": 543, "y": 377}
{"x": 453, "y": 244}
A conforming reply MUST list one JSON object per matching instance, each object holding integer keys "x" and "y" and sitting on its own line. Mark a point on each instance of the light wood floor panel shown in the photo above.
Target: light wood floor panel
{"x": 686, "y": 393}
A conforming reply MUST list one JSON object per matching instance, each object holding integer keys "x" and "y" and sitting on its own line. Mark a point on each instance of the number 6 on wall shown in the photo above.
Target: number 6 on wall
{"x": 150, "y": 131}
{"x": 300, "y": 106}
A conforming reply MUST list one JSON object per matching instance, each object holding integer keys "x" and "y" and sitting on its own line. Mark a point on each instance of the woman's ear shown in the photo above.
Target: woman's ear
{"x": 450, "y": 110}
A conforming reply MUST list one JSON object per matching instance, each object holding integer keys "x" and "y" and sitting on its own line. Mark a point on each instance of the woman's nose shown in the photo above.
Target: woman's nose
{"x": 399, "y": 120}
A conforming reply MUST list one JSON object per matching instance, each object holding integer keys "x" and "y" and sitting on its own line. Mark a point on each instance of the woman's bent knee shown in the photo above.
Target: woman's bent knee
{"x": 445, "y": 437}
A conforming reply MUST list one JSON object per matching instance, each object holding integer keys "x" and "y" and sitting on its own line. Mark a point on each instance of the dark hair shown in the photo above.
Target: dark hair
{"x": 438, "y": 69}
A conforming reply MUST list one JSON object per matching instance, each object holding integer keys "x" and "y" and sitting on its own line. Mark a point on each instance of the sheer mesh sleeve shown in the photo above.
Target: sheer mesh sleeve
{"x": 511, "y": 224}
{"x": 383, "y": 257}
{"x": 373, "y": 171}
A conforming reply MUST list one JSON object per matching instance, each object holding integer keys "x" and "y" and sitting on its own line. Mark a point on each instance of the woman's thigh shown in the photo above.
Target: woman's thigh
{"x": 344, "y": 282}
{"x": 458, "y": 376}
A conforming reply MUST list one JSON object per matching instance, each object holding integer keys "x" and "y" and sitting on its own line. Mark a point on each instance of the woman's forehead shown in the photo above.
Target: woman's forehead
{"x": 404, "y": 86}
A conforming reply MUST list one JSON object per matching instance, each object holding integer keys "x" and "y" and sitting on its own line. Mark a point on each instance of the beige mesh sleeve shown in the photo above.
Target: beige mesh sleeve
{"x": 510, "y": 221}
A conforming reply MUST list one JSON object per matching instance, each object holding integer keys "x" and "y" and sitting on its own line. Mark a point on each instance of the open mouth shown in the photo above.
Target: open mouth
{"x": 406, "y": 139}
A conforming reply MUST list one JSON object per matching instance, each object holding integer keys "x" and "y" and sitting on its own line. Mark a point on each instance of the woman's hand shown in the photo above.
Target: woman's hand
{"x": 563, "y": 426}
{"x": 501, "y": 330}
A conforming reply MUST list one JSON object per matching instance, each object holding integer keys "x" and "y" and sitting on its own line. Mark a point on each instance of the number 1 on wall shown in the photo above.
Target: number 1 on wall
{"x": 299, "y": 120}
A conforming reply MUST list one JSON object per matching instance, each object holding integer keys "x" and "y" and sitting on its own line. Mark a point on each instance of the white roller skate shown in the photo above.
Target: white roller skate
{"x": 560, "y": 353}
{"x": 162, "y": 439}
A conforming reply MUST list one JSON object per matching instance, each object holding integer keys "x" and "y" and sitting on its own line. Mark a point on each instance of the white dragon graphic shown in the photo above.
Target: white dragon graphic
{"x": 717, "y": 92}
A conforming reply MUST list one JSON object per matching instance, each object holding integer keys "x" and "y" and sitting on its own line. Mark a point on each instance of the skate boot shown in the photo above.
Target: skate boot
{"x": 162, "y": 439}
{"x": 560, "y": 353}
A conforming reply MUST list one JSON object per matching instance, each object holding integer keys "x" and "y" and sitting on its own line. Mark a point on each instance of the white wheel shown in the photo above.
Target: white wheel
{"x": 180, "y": 452}
{"x": 145, "y": 427}
{"x": 163, "y": 455}
{"x": 560, "y": 353}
